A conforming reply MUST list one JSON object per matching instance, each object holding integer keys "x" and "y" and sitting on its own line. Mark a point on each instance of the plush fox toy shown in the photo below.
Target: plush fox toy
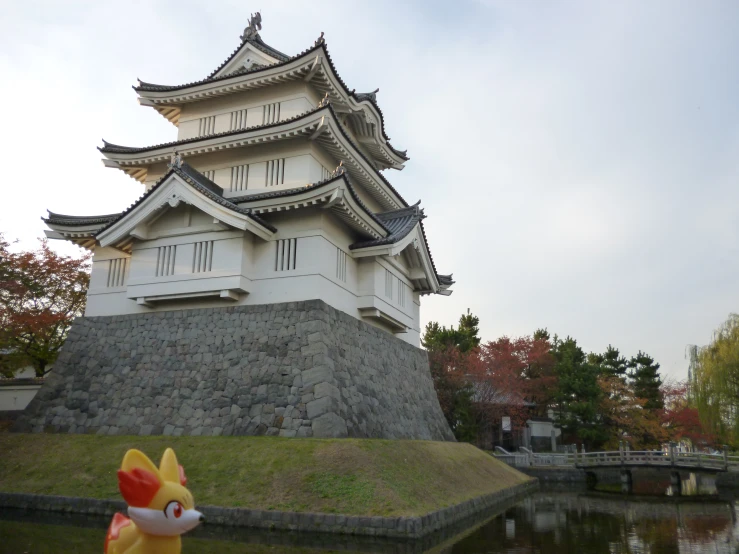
{"x": 160, "y": 508}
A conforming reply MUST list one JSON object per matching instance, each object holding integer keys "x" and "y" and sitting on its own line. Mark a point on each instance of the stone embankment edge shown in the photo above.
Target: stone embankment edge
{"x": 412, "y": 527}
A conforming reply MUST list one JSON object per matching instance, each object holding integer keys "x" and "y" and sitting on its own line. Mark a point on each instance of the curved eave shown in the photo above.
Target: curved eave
{"x": 335, "y": 195}
{"x": 415, "y": 248}
{"x": 81, "y": 235}
{"x": 310, "y": 66}
{"x": 321, "y": 125}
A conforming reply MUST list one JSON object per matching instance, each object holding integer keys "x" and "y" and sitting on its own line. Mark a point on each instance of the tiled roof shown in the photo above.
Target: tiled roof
{"x": 118, "y": 149}
{"x": 398, "y": 222}
{"x": 320, "y": 184}
{"x": 211, "y": 79}
{"x": 359, "y": 97}
{"x": 200, "y": 183}
{"x": 81, "y": 220}
{"x": 445, "y": 279}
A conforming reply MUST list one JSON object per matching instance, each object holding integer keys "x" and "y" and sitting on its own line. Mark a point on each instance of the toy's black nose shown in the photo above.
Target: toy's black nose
{"x": 202, "y": 517}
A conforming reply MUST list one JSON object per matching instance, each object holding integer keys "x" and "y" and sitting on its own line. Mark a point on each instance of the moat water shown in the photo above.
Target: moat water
{"x": 546, "y": 522}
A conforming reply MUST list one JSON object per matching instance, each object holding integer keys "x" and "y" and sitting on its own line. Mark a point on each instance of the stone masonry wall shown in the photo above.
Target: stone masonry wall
{"x": 296, "y": 369}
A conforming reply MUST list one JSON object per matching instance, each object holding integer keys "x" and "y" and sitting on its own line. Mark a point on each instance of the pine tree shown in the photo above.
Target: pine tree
{"x": 464, "y": 338}
{"x": 646, "y": 381}
{"x": 610, "y": 363}
{"x": 578, "y": 394}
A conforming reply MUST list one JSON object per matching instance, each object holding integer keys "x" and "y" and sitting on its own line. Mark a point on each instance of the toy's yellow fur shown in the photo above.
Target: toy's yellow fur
{"x": 158, "y": 501}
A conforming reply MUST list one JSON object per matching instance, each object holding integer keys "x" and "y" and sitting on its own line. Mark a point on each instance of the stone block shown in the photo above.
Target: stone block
{"x": 309, "y": 369}
{"x": 321, "y": 406}
{"x": 329, "y": 425}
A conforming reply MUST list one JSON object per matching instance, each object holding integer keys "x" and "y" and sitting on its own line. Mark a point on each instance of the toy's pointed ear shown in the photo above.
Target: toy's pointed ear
{"x": 135, "y": 459}
{"x": 169, "y": 469}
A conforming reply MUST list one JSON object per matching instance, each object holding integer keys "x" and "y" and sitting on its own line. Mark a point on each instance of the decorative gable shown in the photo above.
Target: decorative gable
{"x": 248, "y": 57}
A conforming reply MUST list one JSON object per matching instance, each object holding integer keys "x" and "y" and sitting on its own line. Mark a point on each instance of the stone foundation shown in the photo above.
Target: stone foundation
{"x": 297, "y": 369}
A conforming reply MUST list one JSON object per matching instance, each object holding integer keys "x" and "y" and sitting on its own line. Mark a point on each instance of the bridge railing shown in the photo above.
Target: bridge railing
{"x": 656, "y": 458}
{"x": 527, "y": 458}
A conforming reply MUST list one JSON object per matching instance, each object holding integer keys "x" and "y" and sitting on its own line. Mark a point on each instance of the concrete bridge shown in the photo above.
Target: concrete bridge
{"x": 695, "y": 470}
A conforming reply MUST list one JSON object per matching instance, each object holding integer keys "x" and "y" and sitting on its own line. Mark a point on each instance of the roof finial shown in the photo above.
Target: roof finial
{"x": 340, "y": 169}
{"x": 252, "y": 30}
{"x": 371, "y": 96}
{"x": 325, "y": 101}
{"x": 176, "y": 160}
{"x": 320, "y": 40}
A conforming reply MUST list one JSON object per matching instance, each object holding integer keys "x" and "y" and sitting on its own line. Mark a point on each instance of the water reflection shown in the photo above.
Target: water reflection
{"x": 543, "y": 523}
{"x": 553, "y": 523}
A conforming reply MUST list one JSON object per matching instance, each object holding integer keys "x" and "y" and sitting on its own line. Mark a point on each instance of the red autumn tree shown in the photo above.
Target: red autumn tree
{"x": 513, "y": 378}
{"x": 41, "y": 292}
{"x": 680, "y": 418}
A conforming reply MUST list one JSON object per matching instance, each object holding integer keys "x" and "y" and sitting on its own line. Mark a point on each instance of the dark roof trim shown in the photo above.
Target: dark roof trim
{"x": 117, "y": 149}
{"x": 320, "y": 184}
{"x": 78, "y": 220}
{"x": 199, "y": 182}
{"x": 359, "y": 97}
{"x": 143, "y": 86}
{"x": 398, "y": 222}
{"x": 401, "y": 223}
{"x": 445, "y": 279}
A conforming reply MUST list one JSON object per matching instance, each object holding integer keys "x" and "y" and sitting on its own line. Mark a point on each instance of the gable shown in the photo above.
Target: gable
{"x": 162, "y": 203}
{"x": 181, "y": 218}
{"x": 247, "y": 57}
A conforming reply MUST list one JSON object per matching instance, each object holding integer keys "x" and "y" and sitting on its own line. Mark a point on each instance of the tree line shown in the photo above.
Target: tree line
{"x": 597, "y": 399}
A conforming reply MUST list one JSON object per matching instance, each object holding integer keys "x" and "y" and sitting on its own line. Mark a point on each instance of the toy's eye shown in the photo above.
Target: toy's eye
{"x": 173, "y": 510}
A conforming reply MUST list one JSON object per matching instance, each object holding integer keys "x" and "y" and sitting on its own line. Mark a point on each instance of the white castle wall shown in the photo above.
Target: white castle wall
{"x": 319, "y": 266}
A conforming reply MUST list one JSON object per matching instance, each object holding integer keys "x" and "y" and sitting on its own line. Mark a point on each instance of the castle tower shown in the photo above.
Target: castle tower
{"x": 272, "y": 195}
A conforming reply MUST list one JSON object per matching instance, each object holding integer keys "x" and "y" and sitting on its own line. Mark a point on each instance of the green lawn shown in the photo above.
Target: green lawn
{"x": 346, "y": 476}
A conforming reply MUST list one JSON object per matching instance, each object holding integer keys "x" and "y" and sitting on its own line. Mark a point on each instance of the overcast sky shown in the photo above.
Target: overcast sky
{"x": 578, "y": 161}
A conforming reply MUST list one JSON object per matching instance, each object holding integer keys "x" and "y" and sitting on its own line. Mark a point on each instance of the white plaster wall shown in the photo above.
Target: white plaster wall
{"x": 16, "y": 397}
{"x": 246, "y": 261}
{"x": 294, "y": 98}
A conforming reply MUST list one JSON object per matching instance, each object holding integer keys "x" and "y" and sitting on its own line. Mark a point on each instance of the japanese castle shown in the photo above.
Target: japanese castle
{"x": 273, "y": 192}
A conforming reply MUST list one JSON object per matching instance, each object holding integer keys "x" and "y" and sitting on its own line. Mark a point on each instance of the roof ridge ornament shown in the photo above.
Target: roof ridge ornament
{"x": 320, "y": 40}
{"x": 325, "y": 101}
{"x": 340, "y": 169}
{"x": 252, "y": 30}
{"x": 176, "y": 160}
{"x": 372, "y": 96}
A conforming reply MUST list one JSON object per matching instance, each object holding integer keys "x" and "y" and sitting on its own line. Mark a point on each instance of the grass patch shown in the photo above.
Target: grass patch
{"x": 348, "y": 476}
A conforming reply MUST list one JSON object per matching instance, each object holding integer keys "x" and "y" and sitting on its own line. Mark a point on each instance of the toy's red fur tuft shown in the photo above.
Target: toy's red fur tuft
{"x": 138, "y": 486}
{"x": 183, "y": 479}
{"x": 114, "y": 531}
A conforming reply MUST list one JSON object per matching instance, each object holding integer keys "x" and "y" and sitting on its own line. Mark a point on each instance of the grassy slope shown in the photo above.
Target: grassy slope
{"x": 347, "y": 476}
